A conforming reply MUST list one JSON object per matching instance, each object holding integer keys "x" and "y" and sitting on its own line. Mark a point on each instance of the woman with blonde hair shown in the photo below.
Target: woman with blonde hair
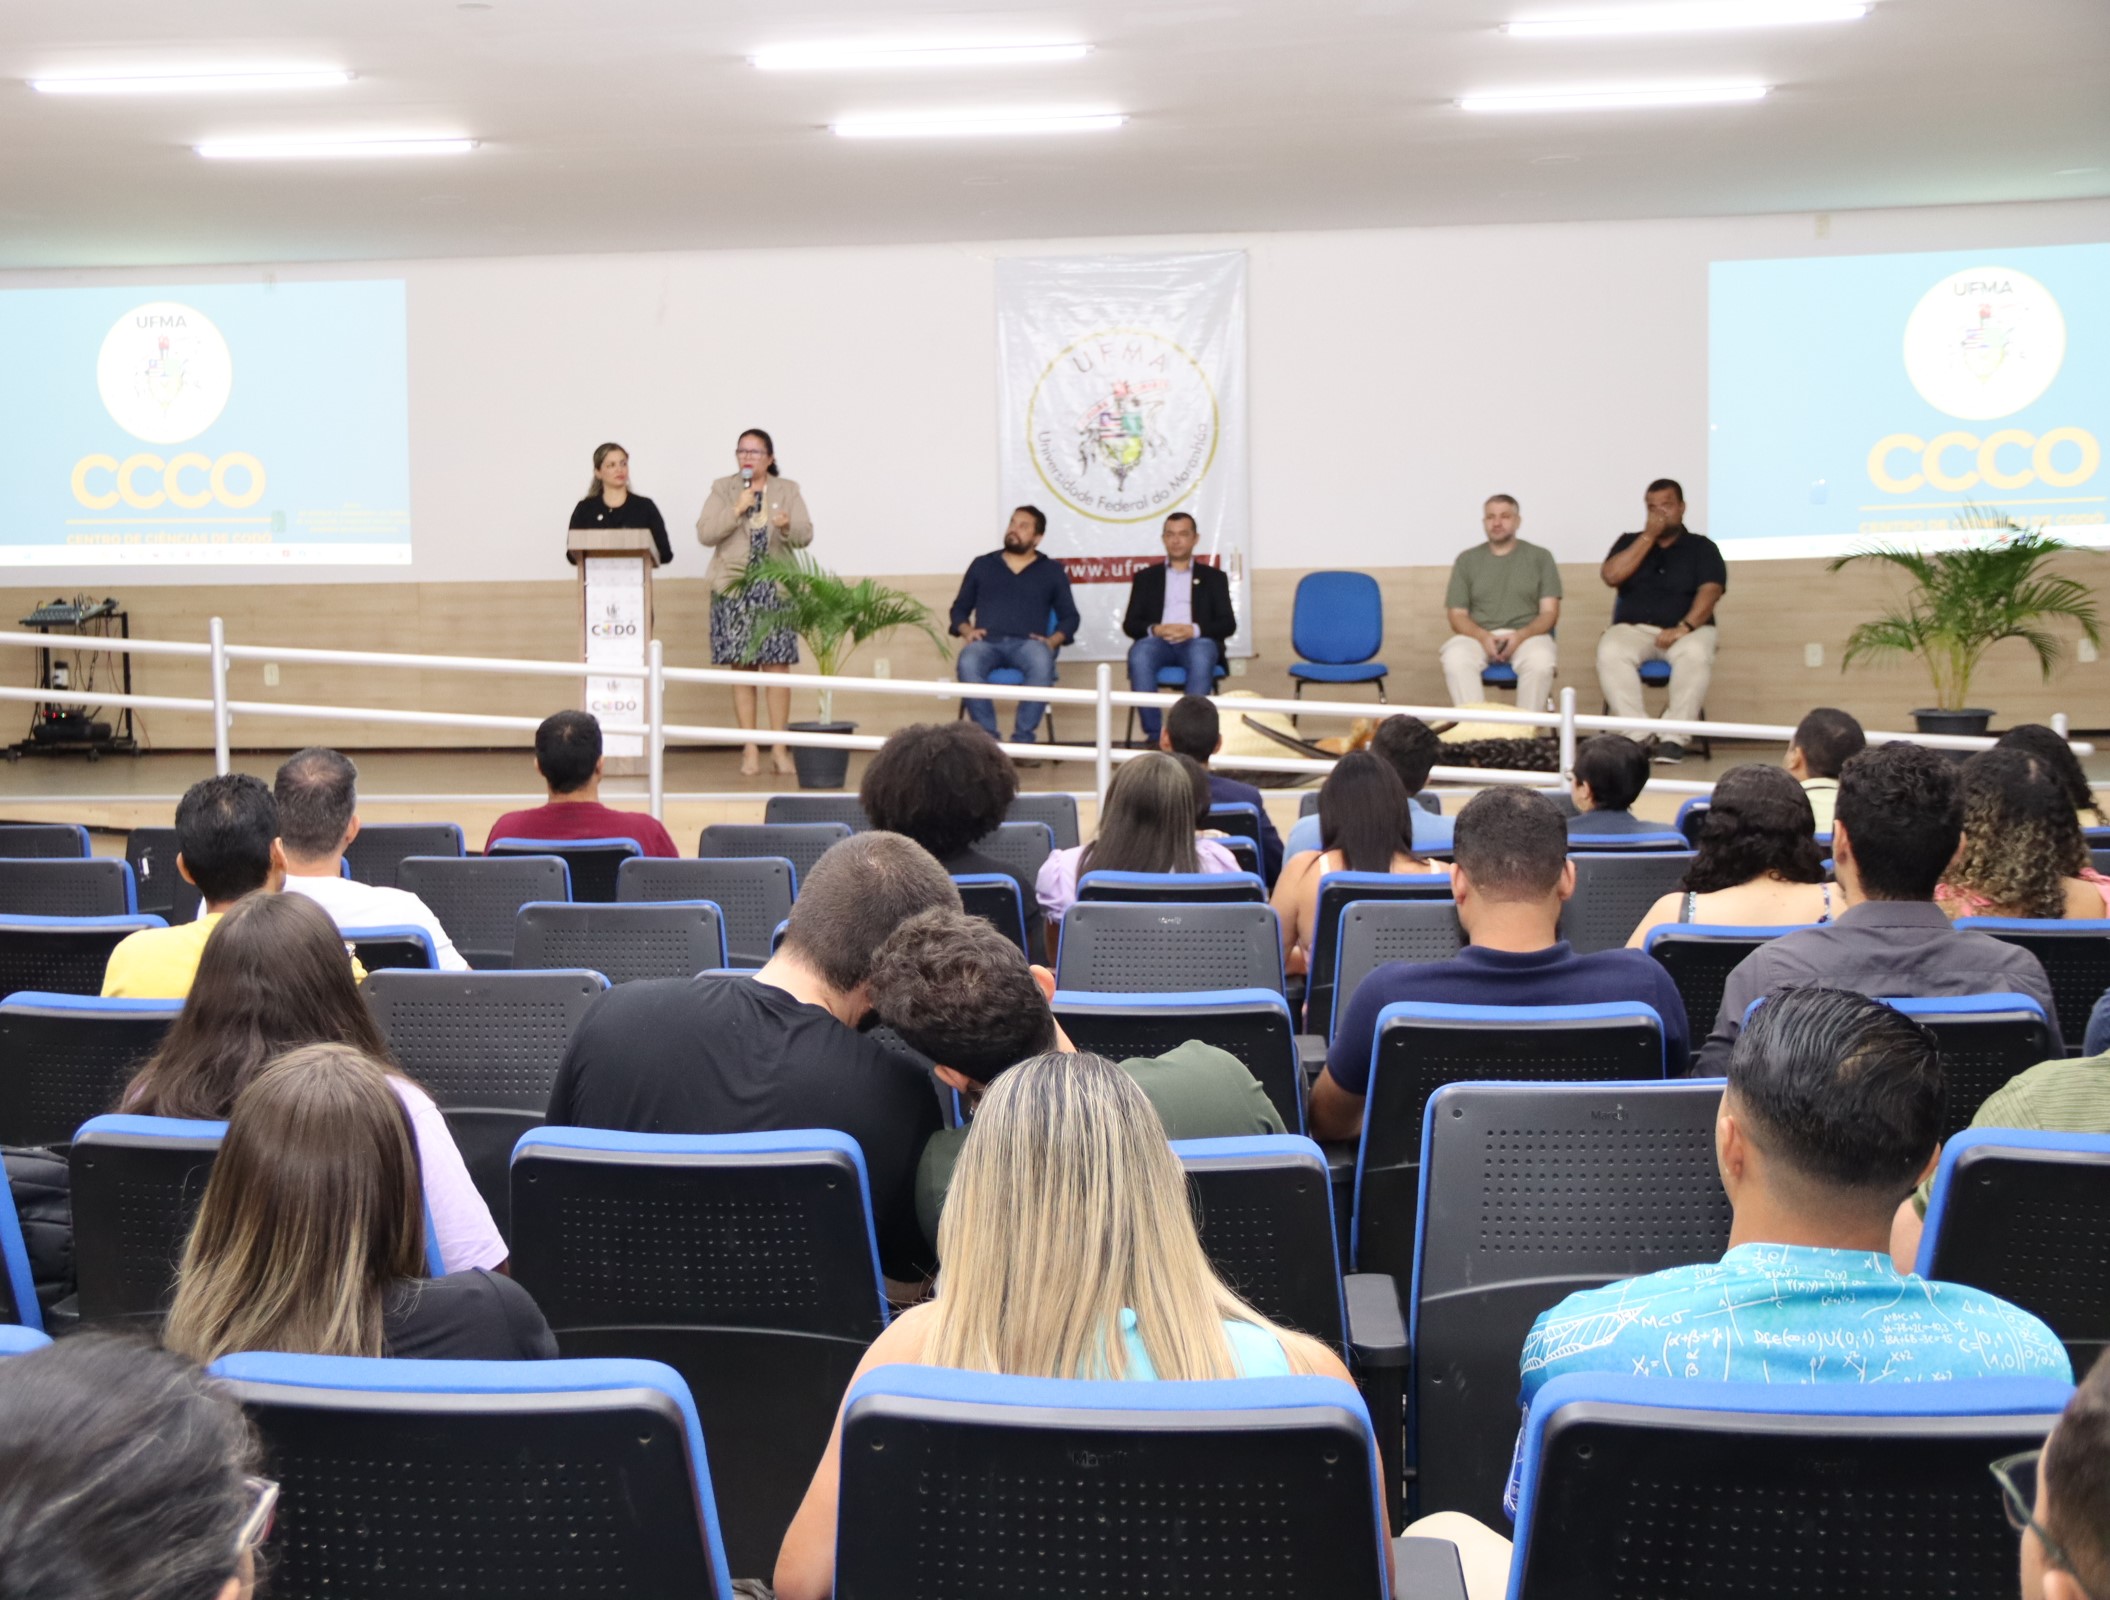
{"x": 311, "y": 1235}
{"x": 2022, "y": 854}
{"x": 1070, "y": 1252}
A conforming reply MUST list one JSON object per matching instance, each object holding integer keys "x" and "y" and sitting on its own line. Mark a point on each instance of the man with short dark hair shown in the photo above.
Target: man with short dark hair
{"x": 780, "y": 1049}
{"x": 1669, "y": 579}
{"x": 568, "y": 756}
{"x": 2065, "y": 1522}
{"x": 1899, "y": 823}
{"x": 1610, "y": 773}
{"x": 318, "y": 817}
{"x": 226, "y": 846}
{"x": 1511, "y": 878}
{"x": 1410, "y": 748}
{"x": 1002, "y": 616}
{"x": 1503, "y": 604}
{"x": 1824, "y": 742}
{"x": 961, "y": 993}
{"x": 1193, "y": 729}
{"x": 1180, "y": 615}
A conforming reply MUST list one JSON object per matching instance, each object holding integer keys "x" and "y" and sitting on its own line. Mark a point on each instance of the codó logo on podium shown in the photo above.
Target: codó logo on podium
{"x": 1123, "y": 425}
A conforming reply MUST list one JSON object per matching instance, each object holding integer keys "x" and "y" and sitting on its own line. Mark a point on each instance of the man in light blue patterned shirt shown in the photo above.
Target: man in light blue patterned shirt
{"x": 1832, "y": 1116}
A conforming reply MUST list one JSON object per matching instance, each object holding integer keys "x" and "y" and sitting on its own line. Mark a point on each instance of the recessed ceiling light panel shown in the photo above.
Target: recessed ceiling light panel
{"x": 974, "y": 124}
{"x": 194, "y": 82}
{"x": 857, "y": 57}
{"x": 1671, "y": 94}
{"x": 328, "y": 149}
{"x": 1698, "y": 16}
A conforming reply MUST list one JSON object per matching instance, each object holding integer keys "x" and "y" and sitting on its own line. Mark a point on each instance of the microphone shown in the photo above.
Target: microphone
{"x": 747, "y": 481}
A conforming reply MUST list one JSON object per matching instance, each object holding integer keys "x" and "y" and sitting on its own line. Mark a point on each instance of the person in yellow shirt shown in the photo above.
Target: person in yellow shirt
{"x": 226, "y": 845}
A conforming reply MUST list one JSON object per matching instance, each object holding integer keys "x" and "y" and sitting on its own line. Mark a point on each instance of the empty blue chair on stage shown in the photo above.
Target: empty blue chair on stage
{"x": 1337, "y": 627}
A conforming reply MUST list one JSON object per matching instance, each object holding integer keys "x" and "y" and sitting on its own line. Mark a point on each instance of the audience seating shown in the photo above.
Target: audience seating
{"x": 752, "y": 893}
{"x": 1243, "y": 1486}
{"x": 509, "y": 1480}
{"x": 1252, "y": 1024}
{"x": 1173, "y": 888}
{"x": 665, "y": 939}
{"x": 1337, "y": 627}
{"x": 65, "y": 1058}
{"x": 593, "y": 862}
{"x": 746, "y": 1262}
{"x": 477, "y": 897}
{"x": 1127, "y": 948}
{"x": 1597, "y": 844}
{"x": 1308, "y": 803}
{"x": 44, "y": 841}
{"x": 379, "y": 849}
{"x": 100, "y": 886}
{"x": 1336, "y": 891}
{"x": 1699, "y": 957}
{"x": 1176, "y": 678}
{"x": 62, "y": 955}
{"x": 19, "y": 1309}
{"x": 1022, "y": 846}
{"x": 2098, "y": 842}
{"x": 1984, "y": 1040}
{"x": 1237, "y": 819}
{"x": 20, "y": 1341}
{"x": 800, "y": 843}
{"x": 136, "y": 1186}
{"x": 1421, "y": 1046}
{"x": 2023, "y": 1215}
{"x": 1530, "y": 1192}
{"x": 161, "y": 889}
{"x": 846, "y": 809}
{"x": 486, "y": 1046}
{"x": 379, "y": 949}
{"x": 994, "y": 897}
{"x": 1613, "y": 892}
{"x": 1057, "y": 808}
{"x": 1375, "y": 932}
{"x": 1640, "y": 1486}
{"x": 1246, "y": 854}
{"x": 2076, "y": 959}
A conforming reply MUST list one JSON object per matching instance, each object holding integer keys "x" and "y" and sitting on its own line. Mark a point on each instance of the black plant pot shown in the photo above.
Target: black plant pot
{"x": 1967, "y": 723}
{"x": 820, "y": 768}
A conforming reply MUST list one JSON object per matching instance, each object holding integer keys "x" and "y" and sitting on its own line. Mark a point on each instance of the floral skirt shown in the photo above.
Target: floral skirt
{"x": 733, "y": 622}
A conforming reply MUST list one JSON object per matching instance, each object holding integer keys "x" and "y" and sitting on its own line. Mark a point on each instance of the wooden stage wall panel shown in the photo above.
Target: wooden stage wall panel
{"x": 1773, "y": 609}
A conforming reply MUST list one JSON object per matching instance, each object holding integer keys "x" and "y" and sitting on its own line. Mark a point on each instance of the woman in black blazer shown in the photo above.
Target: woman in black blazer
{"x": 1192, "y": 638}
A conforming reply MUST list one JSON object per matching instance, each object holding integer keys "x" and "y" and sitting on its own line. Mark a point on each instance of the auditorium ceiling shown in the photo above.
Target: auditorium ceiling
{"x": 641, "y": 124}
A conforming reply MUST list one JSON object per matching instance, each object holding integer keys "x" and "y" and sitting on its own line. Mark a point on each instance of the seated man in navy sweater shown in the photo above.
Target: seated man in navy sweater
{"x": 1192, "y": 728}
{"x": 1002, "y": 615}
{"x": 1511, "y": 877}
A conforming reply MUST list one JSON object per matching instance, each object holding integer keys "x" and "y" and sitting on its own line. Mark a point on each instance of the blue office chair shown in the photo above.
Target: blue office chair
{"x": 1176, "y": 678}
{"x": 1012, "y": 677}
{"x": 1656, "y": 675}
{"x": 1337, "y": 627}
{"x": 1503, "y": 675}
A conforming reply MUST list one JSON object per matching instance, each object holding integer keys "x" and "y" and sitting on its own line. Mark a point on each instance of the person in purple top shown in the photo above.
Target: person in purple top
{"x": 1511, "y": 877}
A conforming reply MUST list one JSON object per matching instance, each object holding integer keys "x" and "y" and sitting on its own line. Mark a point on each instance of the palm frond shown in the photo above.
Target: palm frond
{"x": 831, "y": 615}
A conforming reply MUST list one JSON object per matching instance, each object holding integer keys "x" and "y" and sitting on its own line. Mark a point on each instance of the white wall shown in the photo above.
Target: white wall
{"x": 1398, "y": 377}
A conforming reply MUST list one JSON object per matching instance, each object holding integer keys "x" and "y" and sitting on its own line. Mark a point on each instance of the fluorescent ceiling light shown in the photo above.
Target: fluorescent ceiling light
{"x": 974, "y": 124}
{"x": 835, "y": 57}
{"x": 328, "y": 149}
{"x": 193, "y": 82}
{"x": 1699, "y": 16}
{"x": 1687, "y": 94}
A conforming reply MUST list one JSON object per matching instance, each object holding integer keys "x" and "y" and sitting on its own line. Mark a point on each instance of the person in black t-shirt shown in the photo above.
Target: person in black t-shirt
{"x": 610, "y": 504}
{"x": 781, "y": 1049}
{"x": 311, "y": 1234}
{"x": 1669, "y": 580}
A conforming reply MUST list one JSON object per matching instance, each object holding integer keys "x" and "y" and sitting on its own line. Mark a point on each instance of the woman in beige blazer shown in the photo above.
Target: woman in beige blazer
{"x": 752, "y": 512}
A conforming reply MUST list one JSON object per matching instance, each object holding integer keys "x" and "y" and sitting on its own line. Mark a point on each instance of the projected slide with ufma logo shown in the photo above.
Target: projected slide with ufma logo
{"x": 1871, "y": 400}
{"x": 211, "y": 424}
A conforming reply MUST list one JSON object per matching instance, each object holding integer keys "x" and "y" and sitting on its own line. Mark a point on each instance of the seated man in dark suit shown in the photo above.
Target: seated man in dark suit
{"x": 1193, "y": 729}
{"x": 1179, "y": 614}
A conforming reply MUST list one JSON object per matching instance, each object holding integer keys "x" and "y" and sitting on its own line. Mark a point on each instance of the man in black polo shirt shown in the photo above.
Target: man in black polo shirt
{"x": 781, "y": 1050}
{"x": 1669, "y": 581}
{"x": 1014, "y": 610}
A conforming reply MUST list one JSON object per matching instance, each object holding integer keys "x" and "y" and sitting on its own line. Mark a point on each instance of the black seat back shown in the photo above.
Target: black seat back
{"x": 1613, "y": 892}
{"x": 2076, "y": 961}
{"x": 752, "y": 893}
{"x": 1699, "y": 959}
{"x": 1058, "y": 811}
{"x": 1375, "y": 933}
{"x": 1983, "y": 1041}
{"x": 136, "y": 1183}
{"x": 665, "y": 939}
{"x": 60, "y": 955}
{"x": 380, "y": 848}
{"x": 994, "y": 898}
{"x": 846, "y": 809}
{"x": 1120, "y": 948}
{"x": 62, "y": 1062}
{"x": 1264, "y": 1209}
{"x": 800, "y": 843}
{"x": 44, "y": 841}
{"x": 1533, "y": 1192}
{"x": 162, "y": 890}
{"x": 95, "y": 886}
{"x": 477, "y": 897}
{"x": 593, "y": 863}
{"x": 1173, "y": 888}
{"x": 1254, "y": 1026}
{"x": 382, "y": 949}
{"x": 1021, "y": 846}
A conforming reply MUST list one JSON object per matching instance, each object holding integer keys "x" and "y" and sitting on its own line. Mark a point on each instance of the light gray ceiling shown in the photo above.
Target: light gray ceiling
{"x": 639, "y": 125}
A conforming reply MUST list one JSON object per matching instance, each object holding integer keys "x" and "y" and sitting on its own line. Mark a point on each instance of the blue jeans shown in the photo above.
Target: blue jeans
{"x": 1150, "y": 655}
{"x": 1034, "y": 663}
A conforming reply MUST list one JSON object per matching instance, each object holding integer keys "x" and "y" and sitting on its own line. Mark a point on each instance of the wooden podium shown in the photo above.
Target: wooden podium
{"x": 615, "y": 625}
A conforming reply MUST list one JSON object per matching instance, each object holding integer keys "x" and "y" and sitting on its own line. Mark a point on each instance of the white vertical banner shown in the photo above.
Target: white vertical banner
{"x": 615, "y": 637}
{"x": 1122, "y": 396}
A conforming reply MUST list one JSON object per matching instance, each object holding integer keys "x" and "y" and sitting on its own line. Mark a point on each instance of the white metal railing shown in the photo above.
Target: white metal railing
{"x": 216, "y": 653}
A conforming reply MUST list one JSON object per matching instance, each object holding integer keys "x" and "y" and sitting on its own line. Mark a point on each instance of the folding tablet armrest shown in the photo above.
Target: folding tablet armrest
{"x": 1427, "y": 1569}
{"x": 1377, "y": 1333}
{"x": 1311, "y": 1055}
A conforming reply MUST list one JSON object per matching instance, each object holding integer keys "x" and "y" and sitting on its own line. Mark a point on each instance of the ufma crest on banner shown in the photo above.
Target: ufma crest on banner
{"x": 1123, "y": 425}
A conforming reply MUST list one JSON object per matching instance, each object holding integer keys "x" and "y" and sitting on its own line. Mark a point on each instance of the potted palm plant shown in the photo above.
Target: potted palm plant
{"x": 833, "y": 616}
{"x": 1965, "y": 601}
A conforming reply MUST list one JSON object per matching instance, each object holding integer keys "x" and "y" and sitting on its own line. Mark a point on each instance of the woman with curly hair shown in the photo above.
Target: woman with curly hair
{"x": 2022, "y": 853}
{"x": 1757, "y": 862}
{"x": 2033, "y": 738}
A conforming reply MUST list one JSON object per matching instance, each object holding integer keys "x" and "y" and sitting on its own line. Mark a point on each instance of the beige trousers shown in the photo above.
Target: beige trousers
{"x": 1626, "y": 645}
{"x": 1463, "y": 660}
{"x": 1483, "y": 1554}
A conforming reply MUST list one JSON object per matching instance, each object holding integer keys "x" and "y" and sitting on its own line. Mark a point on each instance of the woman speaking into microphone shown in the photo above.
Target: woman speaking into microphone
{"x": 610, "y": 504}
{"x": 752, "y": 513}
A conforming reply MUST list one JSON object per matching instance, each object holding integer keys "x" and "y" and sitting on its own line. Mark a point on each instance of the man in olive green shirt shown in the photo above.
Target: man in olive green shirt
{"x": 1503, "y": 603}
{"x": 961, "y": 993}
